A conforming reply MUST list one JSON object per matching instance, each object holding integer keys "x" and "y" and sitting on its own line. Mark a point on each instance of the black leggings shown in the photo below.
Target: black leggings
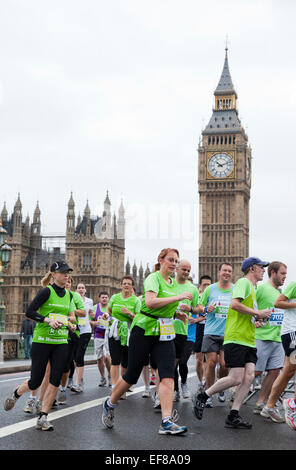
{"x": 81, "y": 348}
{"x": 182, "y": 364}
{"x": 41, "y": 353}
{"x": 118, "y": 353}
{"x": 162, "y": 353}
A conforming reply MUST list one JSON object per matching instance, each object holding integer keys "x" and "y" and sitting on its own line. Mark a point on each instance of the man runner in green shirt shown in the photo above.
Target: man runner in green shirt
{"x": 239, "y": 343}
{"x": 270, "y": 352}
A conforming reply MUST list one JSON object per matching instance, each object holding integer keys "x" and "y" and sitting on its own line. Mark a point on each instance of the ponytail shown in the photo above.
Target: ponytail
{"x": 46, "y": 280}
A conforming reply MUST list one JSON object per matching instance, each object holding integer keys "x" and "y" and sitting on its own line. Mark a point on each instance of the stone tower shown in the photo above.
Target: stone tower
{"x": 224, "y": 183}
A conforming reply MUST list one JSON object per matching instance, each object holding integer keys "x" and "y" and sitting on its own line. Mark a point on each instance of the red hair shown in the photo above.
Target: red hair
{"x": 162, "y": 255}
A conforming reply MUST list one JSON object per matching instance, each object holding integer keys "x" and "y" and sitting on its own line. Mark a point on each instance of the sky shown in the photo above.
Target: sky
{"x": 113, "y": 95}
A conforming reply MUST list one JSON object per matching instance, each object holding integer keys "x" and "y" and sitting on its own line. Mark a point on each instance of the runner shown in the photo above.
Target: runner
{"x": 204, "y": 282}
{"x": 73, "y": 341}
{"x": 100, "y": 323}
{"x": 287, "y": 302}
{"x": 270, "y": 352}
{"x": 183, "y": 347}
{"x": 122, "y": 308}
{"x": 50, "y": 309}
{"x": 152, "y": 334}
{"x": 218, "y": 296}
{"x": 84, "y": 338}
{"x": 239, "y": 343}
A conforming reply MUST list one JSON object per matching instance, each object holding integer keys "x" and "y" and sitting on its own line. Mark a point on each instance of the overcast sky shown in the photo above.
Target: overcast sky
{"x": 113, "y": 95}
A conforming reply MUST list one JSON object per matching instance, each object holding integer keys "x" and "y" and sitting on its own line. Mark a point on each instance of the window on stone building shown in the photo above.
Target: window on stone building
{"x": 87, "y": 260}
{"x": 25, "y": 300}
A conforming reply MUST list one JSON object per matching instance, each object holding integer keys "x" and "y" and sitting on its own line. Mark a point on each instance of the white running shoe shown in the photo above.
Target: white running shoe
{"x": 185, "y": 390}
{"x": 290, "y": 413}
{"x": 273, "y": 414}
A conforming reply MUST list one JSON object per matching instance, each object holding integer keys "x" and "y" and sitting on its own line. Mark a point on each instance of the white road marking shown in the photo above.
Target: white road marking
{"x": 23, "y": 425}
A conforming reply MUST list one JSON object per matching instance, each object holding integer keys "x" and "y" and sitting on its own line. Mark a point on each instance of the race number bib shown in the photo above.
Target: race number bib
{"x": 103, "y": 324}
{"x": 166, "y": 329}
{"x": 222, "y": 307}
{"x": 276, "y": 317}
{"x": 81, "y": 321}
{"x": 58, "y": 317}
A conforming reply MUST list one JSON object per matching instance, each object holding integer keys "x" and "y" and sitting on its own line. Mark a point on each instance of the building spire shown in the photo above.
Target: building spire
{"x": 225, "y": 84}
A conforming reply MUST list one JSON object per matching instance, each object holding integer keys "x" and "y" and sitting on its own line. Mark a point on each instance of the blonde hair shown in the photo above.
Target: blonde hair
{"x": 162, "y": 255}
{"x": 47, "y": 279}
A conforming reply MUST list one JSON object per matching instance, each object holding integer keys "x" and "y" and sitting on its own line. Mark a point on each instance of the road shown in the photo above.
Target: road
{"x": 78, "y": 424}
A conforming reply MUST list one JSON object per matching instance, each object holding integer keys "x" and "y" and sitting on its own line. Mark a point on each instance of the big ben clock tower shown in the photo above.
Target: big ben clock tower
{"x": 224, "y": 179}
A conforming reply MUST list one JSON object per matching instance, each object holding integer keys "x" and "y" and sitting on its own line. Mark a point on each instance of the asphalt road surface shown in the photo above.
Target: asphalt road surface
{"x": 78, "y": 426}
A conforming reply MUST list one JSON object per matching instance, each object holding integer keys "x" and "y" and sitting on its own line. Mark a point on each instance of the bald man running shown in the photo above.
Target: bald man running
{"x": 184, "y": 347}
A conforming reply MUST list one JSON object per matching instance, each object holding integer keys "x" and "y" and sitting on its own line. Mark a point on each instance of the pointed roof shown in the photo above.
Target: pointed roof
{"x": 18, "y": 204}
{"x": 71, "y": 201}
{"x": 4, "y": 213}
{"x": 87, "y": 210}
{"x": 107, "y": 200}
{"x": 225, "y": 84}
{"x": 37, "y": 209}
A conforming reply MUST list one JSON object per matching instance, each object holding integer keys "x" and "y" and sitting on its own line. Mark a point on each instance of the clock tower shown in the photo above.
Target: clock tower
{"x": 224, "y": 183}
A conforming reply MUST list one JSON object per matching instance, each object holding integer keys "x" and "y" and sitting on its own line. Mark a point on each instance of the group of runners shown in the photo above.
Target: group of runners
{"x": 237, "y": 331}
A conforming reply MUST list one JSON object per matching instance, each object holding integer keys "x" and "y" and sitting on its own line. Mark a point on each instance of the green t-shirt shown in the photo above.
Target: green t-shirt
{"x": 79, "y": 305}
{"x": 239, "y": 327}
{"x": 266, "y": 296}
{"x": 57, "y": 308}
{"x": 156, "y": 283}
{"x": 116, "y": 303}
{"x": 180, "y": 327}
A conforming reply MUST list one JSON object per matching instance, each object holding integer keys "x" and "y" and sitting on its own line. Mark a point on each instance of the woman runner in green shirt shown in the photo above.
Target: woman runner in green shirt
{"x": 51, "y": 309}
{"x": 152, "y": 333}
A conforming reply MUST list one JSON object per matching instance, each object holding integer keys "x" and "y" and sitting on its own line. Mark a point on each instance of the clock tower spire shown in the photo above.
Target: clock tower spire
{"x": 224, "y": 183}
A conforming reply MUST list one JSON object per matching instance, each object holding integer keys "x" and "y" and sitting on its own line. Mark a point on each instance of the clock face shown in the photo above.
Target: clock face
{"x": 220, "y": 165}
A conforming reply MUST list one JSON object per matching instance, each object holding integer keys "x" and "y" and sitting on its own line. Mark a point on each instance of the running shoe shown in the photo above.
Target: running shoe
{"x": 290, "y": 413}
{"x": 221, "y": 397}
{"x": 146, "y": 393}
{"x": 107, "y": 415}
{"x": 62, "y": 398}
{"x": 238, "y": 423}
{"x": 176, "y": 395}
{"x": 258, "y": 408}
{"x": 109, "y": 382}
{"x": 38, "y": 407}
{"x": 70, "y": 383}
{"x": 124, "y": 396}
{"x": 9, "y": 402}
{"x": 272, "y": 413}
{"x": 44, "y": 424}
{"x": 210, "y": 403}
{"x": 171, "y": 428}
{"x": 55, "y": 404}
{"x": 102, "y": 382}
{"x": 198, "y": 405}
{"x": 30, "y": 406}
{"x": 77, "y": 388}
{"x": 156, "y": 402}
{"x": 185, "y": 390}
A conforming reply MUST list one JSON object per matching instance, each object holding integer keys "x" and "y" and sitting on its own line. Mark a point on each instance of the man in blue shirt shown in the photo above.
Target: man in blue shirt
{"x": 218, "y": 295}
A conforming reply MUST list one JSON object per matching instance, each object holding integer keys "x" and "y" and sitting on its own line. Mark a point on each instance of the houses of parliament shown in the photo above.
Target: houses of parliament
{"x": 95, "y": 247}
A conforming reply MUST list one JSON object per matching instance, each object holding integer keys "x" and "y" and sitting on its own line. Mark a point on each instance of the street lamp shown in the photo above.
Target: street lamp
{"x": 5, "y": 253}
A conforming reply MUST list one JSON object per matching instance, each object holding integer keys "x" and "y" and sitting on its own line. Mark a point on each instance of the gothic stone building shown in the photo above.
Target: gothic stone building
{"x": 224, "y": 179}
{"x": 93, "y": 247}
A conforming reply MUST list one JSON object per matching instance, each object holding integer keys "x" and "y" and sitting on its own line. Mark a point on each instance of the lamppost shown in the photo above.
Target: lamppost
{"x": 5, "y": 253}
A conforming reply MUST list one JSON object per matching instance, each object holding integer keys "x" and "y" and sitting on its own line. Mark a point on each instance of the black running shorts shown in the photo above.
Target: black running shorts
{"x": 238, "y": 355}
